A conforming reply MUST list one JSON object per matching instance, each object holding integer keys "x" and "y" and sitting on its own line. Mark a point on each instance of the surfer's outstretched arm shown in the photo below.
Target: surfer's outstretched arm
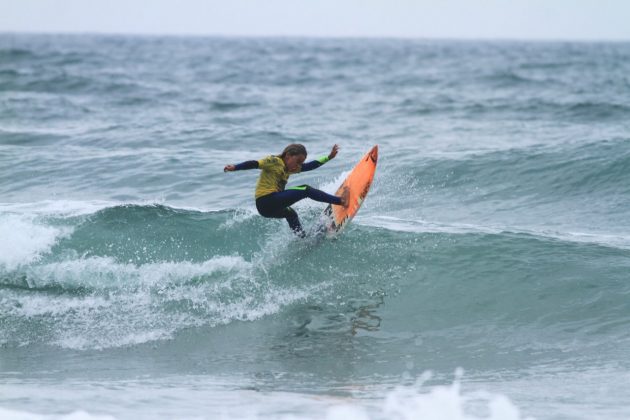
{"x": 249, "y": 164}
{"x": 314, "y": 164}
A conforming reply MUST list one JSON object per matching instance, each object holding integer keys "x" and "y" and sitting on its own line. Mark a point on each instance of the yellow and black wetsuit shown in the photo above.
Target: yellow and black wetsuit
{"x": 273, "y": 199}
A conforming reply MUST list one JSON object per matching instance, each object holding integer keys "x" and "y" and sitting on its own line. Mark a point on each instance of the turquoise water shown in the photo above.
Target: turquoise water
{"x": 486, "y": 275}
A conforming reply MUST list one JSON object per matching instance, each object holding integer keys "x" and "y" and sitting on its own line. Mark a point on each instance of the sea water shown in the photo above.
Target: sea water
{"x": 485, "y": 277}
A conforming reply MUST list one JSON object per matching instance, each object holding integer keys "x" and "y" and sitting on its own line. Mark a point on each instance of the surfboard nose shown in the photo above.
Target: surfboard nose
{"x": 374, "y": 153}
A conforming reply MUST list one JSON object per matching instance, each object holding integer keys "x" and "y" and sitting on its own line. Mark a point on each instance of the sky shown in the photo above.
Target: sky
{"x": 451, "y": 19}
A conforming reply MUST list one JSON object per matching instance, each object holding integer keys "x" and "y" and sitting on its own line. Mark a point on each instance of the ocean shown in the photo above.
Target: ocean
{"x": 487, "y": 275}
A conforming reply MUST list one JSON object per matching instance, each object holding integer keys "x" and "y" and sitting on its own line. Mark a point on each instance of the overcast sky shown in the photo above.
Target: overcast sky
{"x": 468, "y": 19}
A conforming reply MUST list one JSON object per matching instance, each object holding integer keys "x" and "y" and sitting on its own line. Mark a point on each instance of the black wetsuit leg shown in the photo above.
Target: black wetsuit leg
{"x": 277, "y": 205}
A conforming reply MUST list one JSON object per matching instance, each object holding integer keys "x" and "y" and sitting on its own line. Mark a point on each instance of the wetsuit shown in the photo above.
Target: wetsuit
{"x": 273, "y": 200}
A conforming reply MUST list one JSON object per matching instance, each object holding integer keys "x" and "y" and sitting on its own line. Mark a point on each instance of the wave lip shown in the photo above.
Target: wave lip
{"x": 25, "y": 240}
{"x": 29, "y": 231}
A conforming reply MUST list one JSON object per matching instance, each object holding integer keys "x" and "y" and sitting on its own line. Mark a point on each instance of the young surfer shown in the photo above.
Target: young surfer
{"x": 272, "y": 198}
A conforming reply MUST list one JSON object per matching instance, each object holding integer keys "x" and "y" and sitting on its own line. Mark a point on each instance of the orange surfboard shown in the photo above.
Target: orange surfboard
{"x": 358, "y": 183}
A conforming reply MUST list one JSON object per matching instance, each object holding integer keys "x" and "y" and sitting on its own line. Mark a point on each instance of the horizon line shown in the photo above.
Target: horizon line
{"x": 318, "y": 37}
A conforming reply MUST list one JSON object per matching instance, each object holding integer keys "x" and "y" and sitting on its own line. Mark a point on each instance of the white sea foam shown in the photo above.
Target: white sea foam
{"x": 201, "y": 400}
{"x": 438, "y": 403}
{"x": 24, "y": 240}
{"x": 238, "y": 216}
{"x": 106, "y": 272}
{"x": 123, "y": 304}
{"x": 6, "y": 414}
{"x": 26, "y": 235}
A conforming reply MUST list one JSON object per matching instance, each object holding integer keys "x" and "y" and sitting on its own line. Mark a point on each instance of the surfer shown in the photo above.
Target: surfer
{"x": 272, "y": 198}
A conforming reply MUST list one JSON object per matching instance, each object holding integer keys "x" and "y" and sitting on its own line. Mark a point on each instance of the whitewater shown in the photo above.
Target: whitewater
{"x": 485, "y": 276}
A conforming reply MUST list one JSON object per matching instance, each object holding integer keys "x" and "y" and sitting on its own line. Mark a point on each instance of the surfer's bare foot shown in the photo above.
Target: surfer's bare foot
{"x": 345, "y": 198}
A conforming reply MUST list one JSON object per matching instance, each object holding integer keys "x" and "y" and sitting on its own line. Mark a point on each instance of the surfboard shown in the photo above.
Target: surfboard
{"x": 357, "y": 183}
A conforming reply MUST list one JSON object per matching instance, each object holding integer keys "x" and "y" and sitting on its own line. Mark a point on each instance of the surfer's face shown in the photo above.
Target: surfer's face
{"x": 294, "y": 162}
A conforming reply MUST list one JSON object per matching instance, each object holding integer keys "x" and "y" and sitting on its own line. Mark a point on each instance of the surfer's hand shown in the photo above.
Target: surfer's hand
{"x": 333, "y": 152}
{"x": 229, "y": 168}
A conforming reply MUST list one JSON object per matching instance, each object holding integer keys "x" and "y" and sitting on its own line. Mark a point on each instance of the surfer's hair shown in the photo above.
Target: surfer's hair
{"x": 293, "y": 150}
